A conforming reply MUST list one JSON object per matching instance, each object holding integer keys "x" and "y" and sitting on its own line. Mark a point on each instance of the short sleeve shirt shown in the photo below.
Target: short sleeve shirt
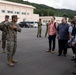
{"x": 52, "y": 29}
{"x": 70, "y": 29}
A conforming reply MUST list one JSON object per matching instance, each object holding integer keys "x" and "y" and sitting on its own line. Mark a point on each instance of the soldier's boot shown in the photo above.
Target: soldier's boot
{"x": 14, "y": 61}
{"x": 10, "y": 63}
{"x": 45, "y": 35}
{"x": 37, "y": 36}
{"x": 4, "y": 50}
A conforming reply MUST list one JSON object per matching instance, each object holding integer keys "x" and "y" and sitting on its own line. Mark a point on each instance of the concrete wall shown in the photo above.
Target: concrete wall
{"x": 35, "y": 17}
{"x": 46, "y": 19}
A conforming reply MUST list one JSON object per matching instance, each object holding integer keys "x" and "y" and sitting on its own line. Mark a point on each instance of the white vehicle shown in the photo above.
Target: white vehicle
{"x": 44, "y": 24}
{"x": 34, "y": 24}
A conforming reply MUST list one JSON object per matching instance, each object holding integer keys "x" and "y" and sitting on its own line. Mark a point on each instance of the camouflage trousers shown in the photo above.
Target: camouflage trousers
{"x": 3, "y": 43}
{"x": 4, "y": 36}
{"x": 46, "y": 32}
{"x": 39, "y": 32}
{"x": 11, "y": 49}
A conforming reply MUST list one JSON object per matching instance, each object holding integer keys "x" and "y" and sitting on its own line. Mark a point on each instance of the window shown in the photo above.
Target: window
{"x": 23, "y": 13}
{"x": 10, "y": 11}
{"x": 48, "y": 20}
{"x": 43, "y": 20}
{"x": 27, "y": 13}
{"x": 3, "y": 11}
{"x": 15, "y": 12}
{"x": 18, "y": 13}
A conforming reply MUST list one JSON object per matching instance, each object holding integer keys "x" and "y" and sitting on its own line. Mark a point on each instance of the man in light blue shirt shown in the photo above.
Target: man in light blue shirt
{"x": 72, "y": 38}
{"x": 70, "y": 29}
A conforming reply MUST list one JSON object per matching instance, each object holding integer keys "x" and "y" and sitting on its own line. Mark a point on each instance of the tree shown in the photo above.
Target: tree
{"x": 45, "y": 10}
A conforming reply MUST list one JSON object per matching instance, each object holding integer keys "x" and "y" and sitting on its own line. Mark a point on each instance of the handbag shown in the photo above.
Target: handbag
{"x": 69, "y": 44}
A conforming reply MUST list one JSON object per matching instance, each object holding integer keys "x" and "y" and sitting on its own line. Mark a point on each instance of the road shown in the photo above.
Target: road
{"x": 32, "y": 58}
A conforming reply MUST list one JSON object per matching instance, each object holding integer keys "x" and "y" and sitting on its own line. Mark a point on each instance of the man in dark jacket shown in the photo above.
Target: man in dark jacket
{"x": 63, "y": 36}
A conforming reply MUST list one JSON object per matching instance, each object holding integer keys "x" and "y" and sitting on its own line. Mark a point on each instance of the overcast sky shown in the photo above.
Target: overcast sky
{"x": 67, "y": 4}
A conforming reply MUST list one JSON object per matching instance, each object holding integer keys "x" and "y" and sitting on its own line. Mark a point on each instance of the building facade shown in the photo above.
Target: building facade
{"x": 46, "y": 19}
{"x": 24, "y": 12}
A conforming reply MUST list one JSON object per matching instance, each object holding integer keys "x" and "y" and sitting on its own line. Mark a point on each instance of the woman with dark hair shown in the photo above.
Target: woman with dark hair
{"x": 70, "y": 34}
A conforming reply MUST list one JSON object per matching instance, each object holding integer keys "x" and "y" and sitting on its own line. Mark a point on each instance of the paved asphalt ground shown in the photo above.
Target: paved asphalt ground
{"x": 32, "y": 58}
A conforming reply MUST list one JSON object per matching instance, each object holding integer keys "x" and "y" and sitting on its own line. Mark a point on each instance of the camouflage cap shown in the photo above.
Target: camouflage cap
{"x": 14, "y": 16}
{"x": 6, "y": 16}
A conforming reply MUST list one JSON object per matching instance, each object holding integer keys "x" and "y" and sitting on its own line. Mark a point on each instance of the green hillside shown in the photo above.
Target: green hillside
{"x": 44, "y": 10}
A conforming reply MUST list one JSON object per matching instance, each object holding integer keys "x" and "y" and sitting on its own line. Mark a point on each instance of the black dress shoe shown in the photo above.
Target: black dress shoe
{"x": 59, "y": 55}
{"x": 48, "y": 51}
{"x": 74, "y": 73}
{"x": 65, "y": 55}
{"x": 73, "y": 56}
{"x": 74, "y": 59}
{"x": 40, "y": 36}
{"x": 37, "y": 36}
{"x": 75, "y": 66}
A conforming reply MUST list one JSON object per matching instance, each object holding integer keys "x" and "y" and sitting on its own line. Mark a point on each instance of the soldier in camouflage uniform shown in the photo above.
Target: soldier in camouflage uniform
{"x": 4, "y": 32}
{"x": 39, "y": 28}
{"x": 47, "y": 29}
{"x": 12, "y": 28}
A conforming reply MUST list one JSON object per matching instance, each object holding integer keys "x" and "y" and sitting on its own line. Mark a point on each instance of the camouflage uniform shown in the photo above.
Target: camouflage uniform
{"x": 39, "y": 29}
{"x": 4, "y": 34}
{"x": 46, "y": 30}
{"x": 12, "y": 39}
